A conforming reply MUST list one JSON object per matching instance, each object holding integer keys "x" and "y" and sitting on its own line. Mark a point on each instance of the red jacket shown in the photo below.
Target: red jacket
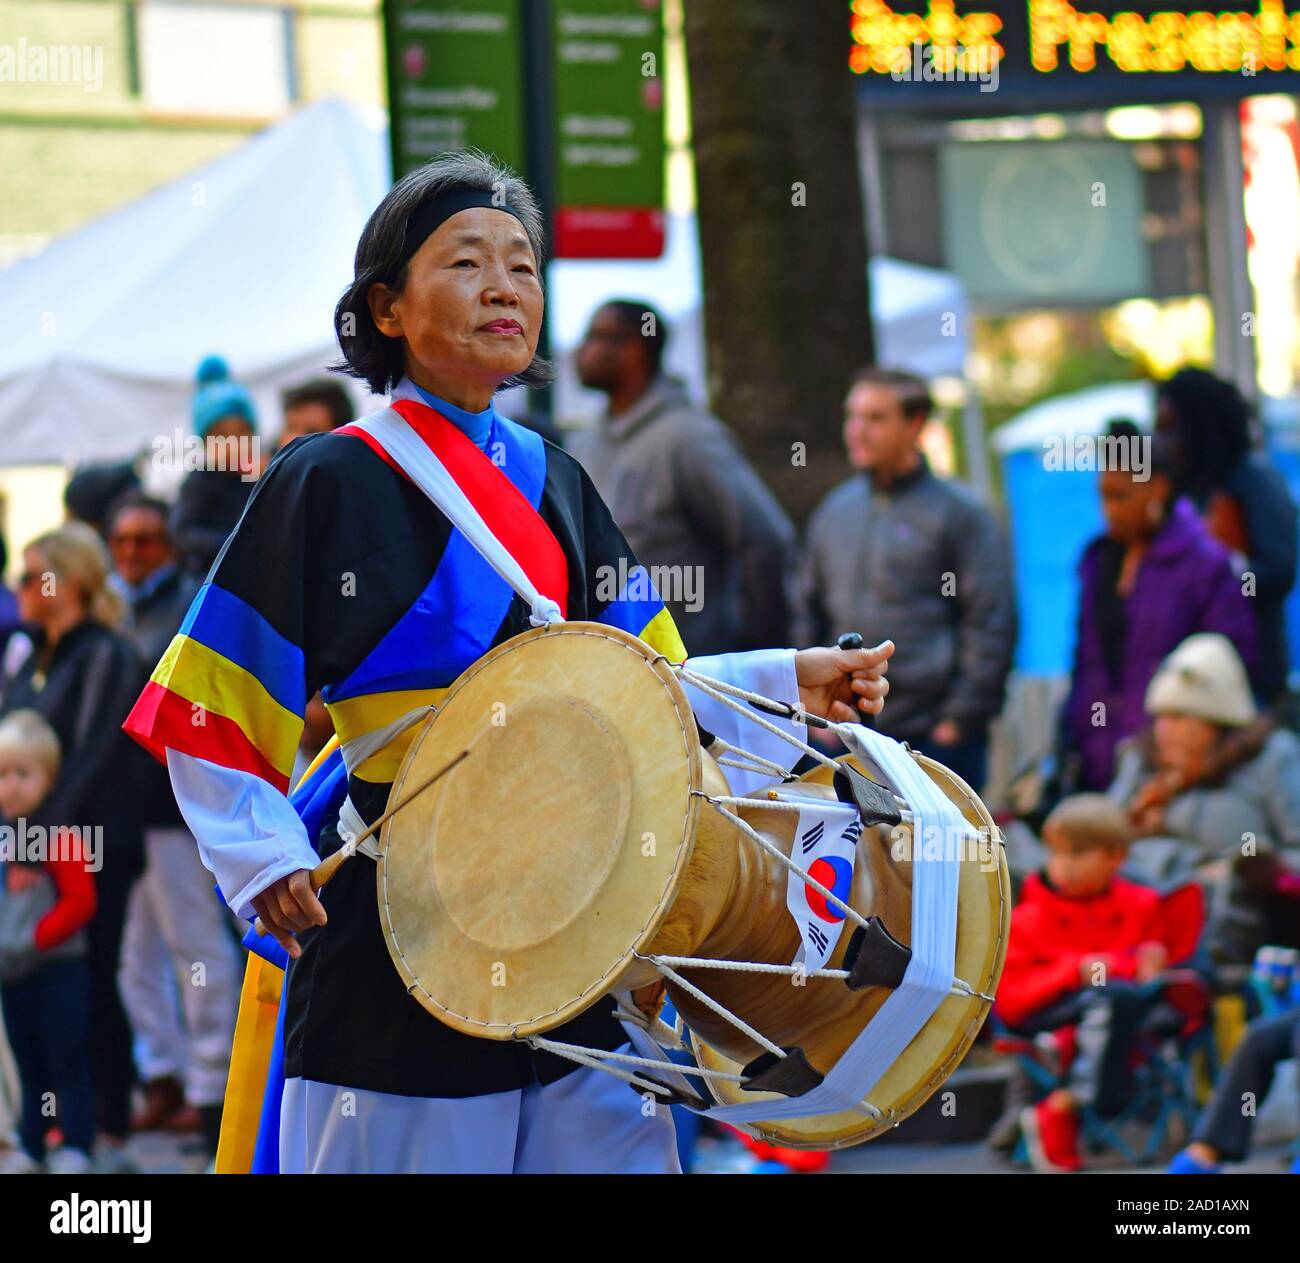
{"x": 1051, "y": 937}
{"x": 75, "y": 899}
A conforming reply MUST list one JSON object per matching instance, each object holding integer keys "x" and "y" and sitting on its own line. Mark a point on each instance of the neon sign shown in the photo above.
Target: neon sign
{"x": 1061, "y": 38}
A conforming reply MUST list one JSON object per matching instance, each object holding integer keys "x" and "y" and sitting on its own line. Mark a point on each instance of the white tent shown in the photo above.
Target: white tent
{"x": 246, "y": 257}
{"x": 101, "y": 333}
{"x": 1082, "y": 412}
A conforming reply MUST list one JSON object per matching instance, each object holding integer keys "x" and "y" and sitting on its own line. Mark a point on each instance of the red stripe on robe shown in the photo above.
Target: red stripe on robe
{"x": 218, "y": 739}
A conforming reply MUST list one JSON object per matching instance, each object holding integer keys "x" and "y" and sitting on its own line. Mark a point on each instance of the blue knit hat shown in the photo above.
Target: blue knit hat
{"x": 217, "y": 396}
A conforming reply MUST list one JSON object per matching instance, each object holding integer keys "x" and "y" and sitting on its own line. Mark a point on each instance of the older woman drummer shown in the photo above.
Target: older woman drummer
{"x": 358, "y": 570}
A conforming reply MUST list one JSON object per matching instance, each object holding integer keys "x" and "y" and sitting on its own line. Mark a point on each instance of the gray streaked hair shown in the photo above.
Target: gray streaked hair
{"x": 371, "y": 355}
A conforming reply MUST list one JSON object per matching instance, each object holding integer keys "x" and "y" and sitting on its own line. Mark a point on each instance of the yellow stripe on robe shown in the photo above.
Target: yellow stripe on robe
{"x": 355, "y": 716}
{"x": 212, "y": 681}
{"x": 250, "y": 1051}
{"x": 661, "y": 634}
{"x": 250, "y": 1061}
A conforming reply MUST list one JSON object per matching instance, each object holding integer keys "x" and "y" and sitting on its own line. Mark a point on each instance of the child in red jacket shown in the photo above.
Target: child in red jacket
{"x": 1084, "y": 947}
{"x": 47, "y": 896}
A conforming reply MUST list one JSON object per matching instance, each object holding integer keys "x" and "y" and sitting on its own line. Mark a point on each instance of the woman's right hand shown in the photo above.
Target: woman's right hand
{"x": 289, "y": 906}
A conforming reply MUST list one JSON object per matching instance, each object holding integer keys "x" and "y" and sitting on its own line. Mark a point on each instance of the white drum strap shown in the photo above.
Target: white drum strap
{"x": 929, "y": 977}
{"x": 355, "y": 753}
{"x": 390, "y": 430}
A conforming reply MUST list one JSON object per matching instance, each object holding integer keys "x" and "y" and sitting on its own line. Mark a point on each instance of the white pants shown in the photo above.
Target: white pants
{"x": 183, "y": 1016}
{"x": 586, "y": 1123}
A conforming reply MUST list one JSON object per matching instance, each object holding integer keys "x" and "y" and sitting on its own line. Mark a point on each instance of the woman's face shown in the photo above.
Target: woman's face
{"x": 471, "y": 309}
{"x": 1183, "y": 742}
{"x": 43, "y": 595}
{"x": 1133, "y": 510}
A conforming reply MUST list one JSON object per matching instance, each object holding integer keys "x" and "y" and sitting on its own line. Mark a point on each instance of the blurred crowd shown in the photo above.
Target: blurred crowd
{"x": 1160, "y": 852}
{"x": 118, "y": 965}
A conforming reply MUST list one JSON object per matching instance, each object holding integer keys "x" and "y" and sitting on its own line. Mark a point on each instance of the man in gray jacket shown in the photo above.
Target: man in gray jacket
{"x": 715, "y": 540}
{"x": 897, "y": 552}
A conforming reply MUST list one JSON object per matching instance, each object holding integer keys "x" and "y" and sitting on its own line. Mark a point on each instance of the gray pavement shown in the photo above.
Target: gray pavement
{"x": 161, "y": 1153}
{"x": 972, "y": 1159}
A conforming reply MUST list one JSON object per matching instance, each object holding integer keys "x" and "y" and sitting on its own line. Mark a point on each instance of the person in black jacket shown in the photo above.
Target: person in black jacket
{"x": 82, "y": 676}
{"x": 1243, "y": 498}
{"x": 93, "y": 488}
{"x": 174, "y": 921}
{"x": 213, "y": 496}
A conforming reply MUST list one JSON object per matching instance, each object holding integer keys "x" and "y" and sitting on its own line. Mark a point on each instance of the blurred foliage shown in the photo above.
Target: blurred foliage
{"x": 1018, "y": 360}
{"x": 1022, "y": 359}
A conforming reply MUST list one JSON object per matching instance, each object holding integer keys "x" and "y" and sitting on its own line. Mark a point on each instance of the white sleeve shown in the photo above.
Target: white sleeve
{"x": 769, "y": 672}
{"x": 248, "y": 833}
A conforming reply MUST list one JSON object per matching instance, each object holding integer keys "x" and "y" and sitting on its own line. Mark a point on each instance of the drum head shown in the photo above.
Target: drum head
{"x": 983, "y": 921}
{"x": 514, "y": 892}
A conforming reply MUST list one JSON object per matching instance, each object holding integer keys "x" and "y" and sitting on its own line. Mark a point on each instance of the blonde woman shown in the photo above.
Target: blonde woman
{"x": 82, "y": 676}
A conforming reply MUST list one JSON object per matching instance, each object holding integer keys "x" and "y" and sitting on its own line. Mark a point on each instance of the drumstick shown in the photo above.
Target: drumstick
{"x": 332, "y": 863}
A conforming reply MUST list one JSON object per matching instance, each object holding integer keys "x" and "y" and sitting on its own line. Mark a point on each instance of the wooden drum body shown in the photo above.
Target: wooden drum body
{"x": 574, "y": 842}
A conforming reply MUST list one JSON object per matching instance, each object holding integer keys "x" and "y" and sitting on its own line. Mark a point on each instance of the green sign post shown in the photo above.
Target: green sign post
{"x": 455, "y": 79}
{"x": 483, "y": 73}
{"x": 609, "y": 128}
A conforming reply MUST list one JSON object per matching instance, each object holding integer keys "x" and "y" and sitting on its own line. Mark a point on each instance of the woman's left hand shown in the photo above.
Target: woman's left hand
{"x": 842, "y": 685}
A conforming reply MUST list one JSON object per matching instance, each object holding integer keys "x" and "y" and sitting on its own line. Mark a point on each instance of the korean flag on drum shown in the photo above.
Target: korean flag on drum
{"x": 825, "y": 845}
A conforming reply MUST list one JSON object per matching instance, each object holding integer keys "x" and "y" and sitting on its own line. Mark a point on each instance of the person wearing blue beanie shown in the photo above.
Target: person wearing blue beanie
{"x": 219, "y": 400}
{"x": 213, "y": 497}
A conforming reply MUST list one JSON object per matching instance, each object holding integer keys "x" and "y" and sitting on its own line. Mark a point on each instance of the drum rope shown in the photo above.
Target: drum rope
{"x": 851, "y": 913}
{"x": 665, "y": 1036}
{"x": 648, "y": 1063}
{"x": 721, "y": 1010}
{"x": 742, "y": 766}
{"x": 757, "y": 763}
{"x": 959, "y": 986}
{"x": 719, "y": 690}
{"x": 573, "y": 1053}
{"x": 776, "y": 803}
{"x": 727, "y": 694}
{"x": 747, "y": 966}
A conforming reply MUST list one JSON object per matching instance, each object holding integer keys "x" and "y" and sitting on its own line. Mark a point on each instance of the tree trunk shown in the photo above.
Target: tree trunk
{"x": 781, "y": 231}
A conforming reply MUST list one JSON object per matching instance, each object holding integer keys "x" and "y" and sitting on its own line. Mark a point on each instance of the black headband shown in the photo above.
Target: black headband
{"x": 431, "y": 215}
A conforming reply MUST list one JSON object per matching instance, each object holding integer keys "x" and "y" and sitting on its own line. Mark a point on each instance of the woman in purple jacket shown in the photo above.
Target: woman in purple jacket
{"x": 1155, "y": 577}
